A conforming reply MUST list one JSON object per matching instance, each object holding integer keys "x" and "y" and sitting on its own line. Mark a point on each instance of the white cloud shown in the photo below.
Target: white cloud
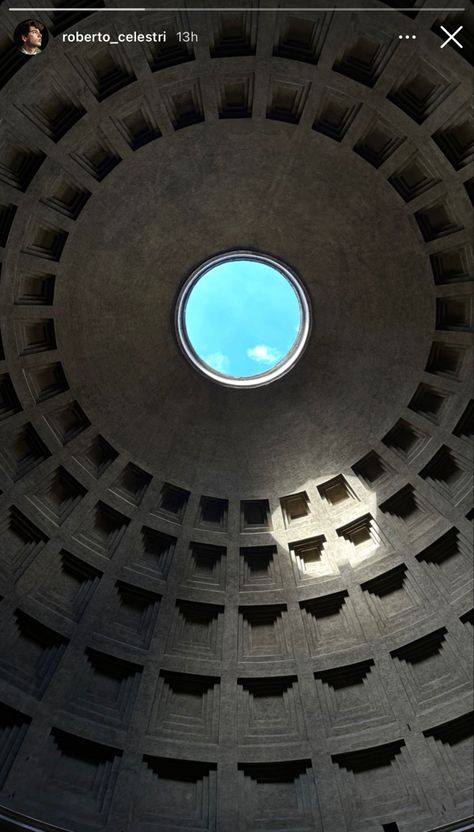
{"x": 218, "y": 361}
{"x": 264, "y": 354}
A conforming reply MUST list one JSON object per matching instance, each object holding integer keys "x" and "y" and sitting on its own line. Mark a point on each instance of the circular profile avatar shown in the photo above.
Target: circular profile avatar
{"x": 31, "y": 37}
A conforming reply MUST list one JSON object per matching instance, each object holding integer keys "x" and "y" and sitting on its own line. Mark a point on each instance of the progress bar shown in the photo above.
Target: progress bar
{"x": 225, "y": 9}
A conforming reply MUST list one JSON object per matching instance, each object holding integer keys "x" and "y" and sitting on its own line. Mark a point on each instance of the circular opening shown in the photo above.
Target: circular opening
{"x": 243, "y": 319}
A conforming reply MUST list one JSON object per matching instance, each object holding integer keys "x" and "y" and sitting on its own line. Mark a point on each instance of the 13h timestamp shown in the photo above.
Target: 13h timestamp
{"x": 187, "y": 37}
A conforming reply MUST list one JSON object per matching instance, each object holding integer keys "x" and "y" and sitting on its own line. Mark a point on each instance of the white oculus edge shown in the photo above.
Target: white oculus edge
{"x": 287, "y": 362}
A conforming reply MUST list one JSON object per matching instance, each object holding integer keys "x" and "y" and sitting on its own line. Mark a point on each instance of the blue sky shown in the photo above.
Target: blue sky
{"x": 242, "y": 317}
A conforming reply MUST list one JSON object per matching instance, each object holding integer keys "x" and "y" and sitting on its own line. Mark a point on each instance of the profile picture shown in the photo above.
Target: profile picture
{"x": 31, "y": 37}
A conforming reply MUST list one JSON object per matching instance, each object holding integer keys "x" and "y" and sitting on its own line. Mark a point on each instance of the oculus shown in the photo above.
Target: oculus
{"x": 243, "y": 319}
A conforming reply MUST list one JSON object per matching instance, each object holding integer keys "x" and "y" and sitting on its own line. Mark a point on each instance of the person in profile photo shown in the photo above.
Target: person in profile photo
{"x": 29, "y": 37}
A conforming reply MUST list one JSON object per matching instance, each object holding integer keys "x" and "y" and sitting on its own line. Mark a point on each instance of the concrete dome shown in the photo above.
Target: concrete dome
{"x": 229, "y": 609}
